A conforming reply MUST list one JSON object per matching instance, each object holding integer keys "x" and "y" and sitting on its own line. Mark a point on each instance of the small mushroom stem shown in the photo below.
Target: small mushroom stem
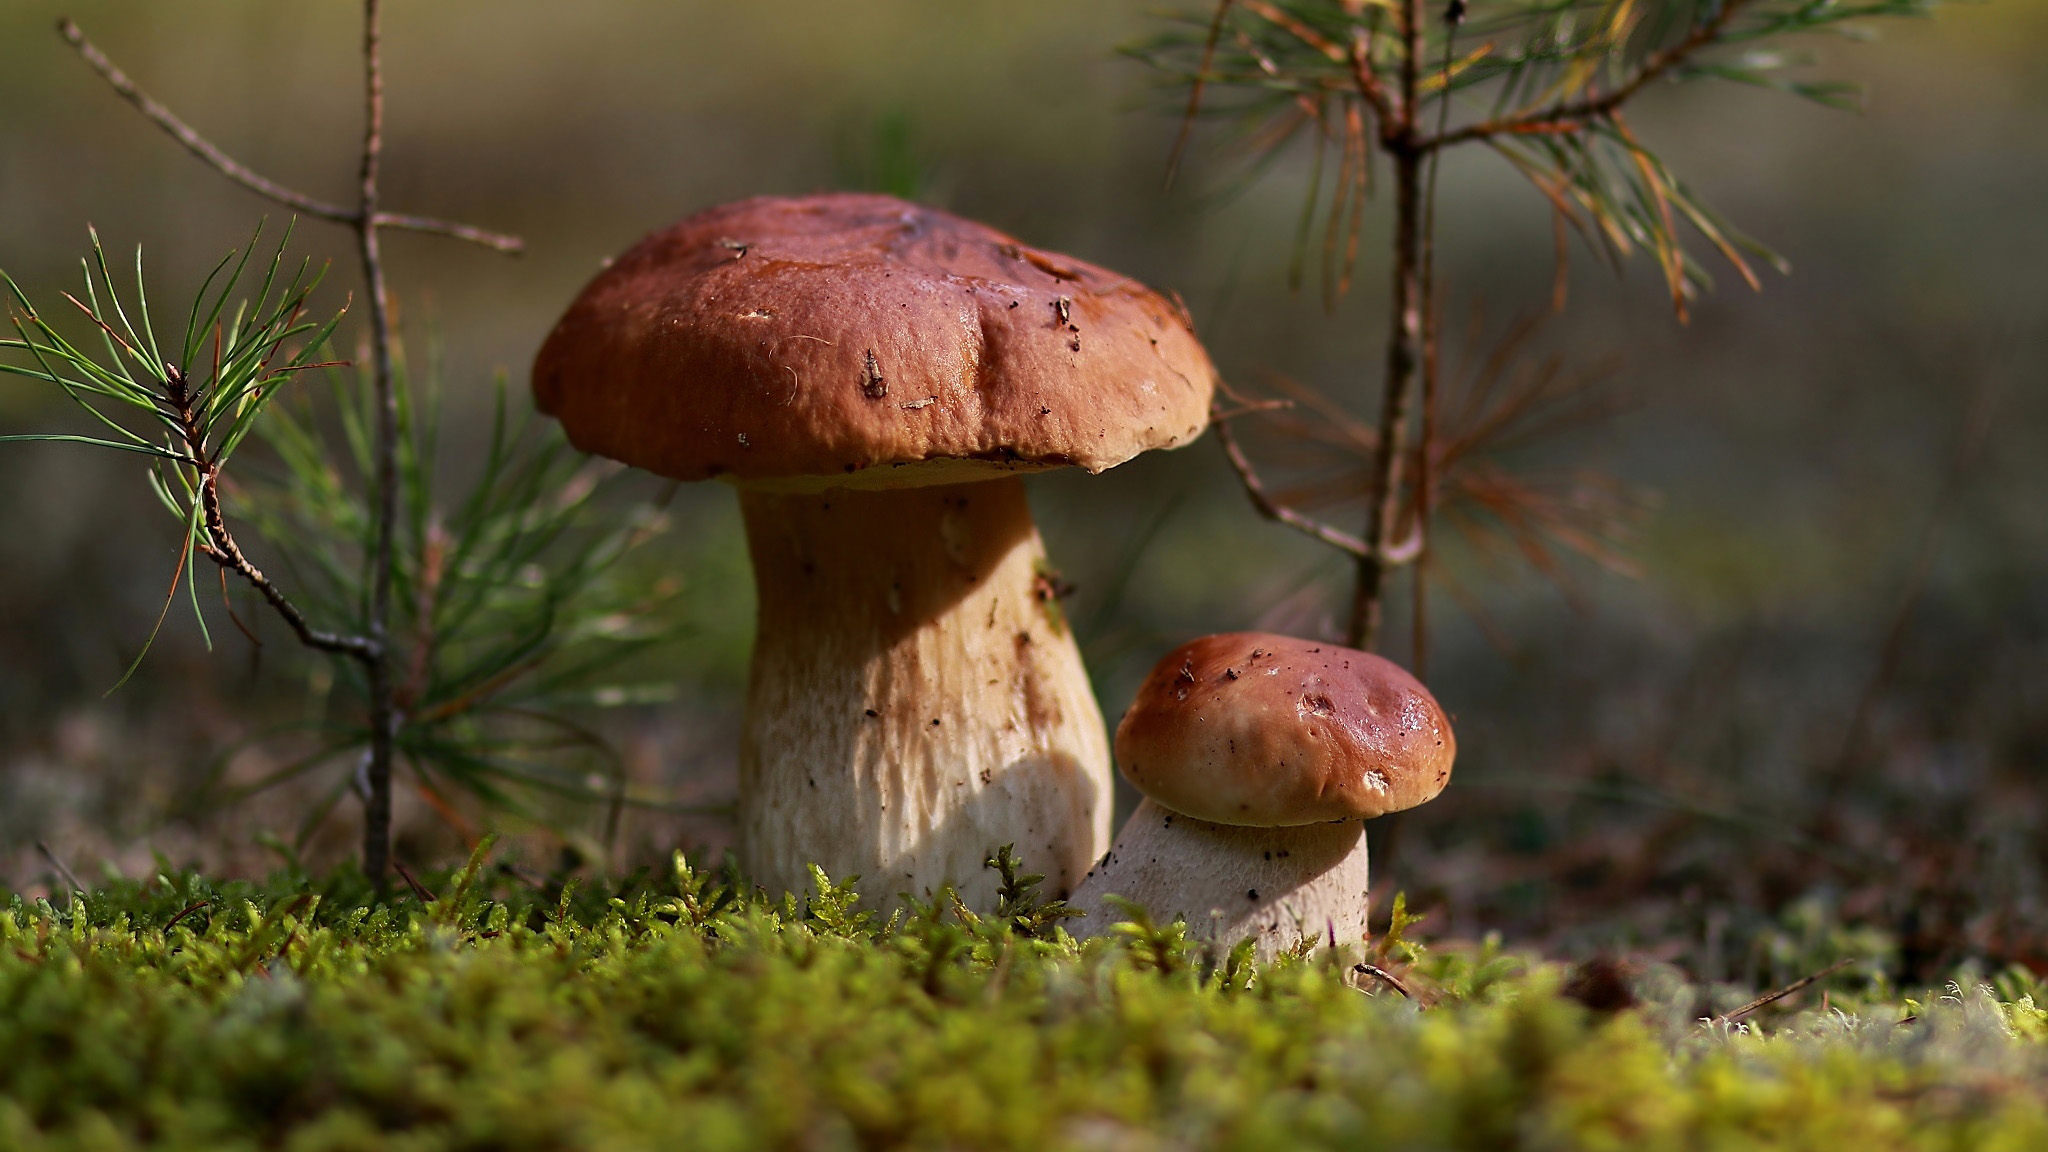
{"x": 916, "y": 699}
{"x": 1275, "y": 885}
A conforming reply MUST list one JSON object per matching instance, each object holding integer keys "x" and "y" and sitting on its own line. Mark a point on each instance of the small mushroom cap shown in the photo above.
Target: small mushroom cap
{"x": 859, "y": 338}
{"x": 1254, "y": 729}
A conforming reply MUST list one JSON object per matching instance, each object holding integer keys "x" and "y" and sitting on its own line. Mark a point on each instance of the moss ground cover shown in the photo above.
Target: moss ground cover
{"x": 671, "y": 1013}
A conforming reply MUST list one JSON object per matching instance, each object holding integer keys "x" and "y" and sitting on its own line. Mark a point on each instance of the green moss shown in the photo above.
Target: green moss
{"x": 679, "y": 1014}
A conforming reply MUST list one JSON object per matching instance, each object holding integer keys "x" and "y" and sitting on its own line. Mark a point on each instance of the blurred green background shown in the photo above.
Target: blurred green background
{"x": 1637, "y": 760}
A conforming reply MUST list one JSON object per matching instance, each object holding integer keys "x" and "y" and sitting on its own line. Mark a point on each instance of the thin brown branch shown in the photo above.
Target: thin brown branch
{"x": 194, "y": 143}
{"x": 1404, "y": 352}
{"x": 187, "y": 910}
{"x": 220, "y": 547}
{"x": 1770, "y": 998}
{"x": 218, "y": 544}
{"x": 62, "y": 872}
{"x": 1384, "y": 977}
{"x": 1272, "y": 509}
{"x": 384, "y": 718}
{"x": 1262, "y": 499}
{"x": 500, "y": 241}
{"x": 254, "y": 181}
{"x": 1570, "y": 116}
{"x": 419, "y": 890}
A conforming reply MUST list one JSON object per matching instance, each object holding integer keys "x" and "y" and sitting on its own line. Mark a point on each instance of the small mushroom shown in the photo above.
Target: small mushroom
{"x": 1261, "y": 757}
{"x": 874, "y": 377}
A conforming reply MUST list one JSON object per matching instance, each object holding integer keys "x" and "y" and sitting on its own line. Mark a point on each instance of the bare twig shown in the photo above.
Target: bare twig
{"x": 419, "y": 890}
{"x": 187, "y": 910}
{"x": 1385, "y": 977}
{"x": 500, "y": 241}
{"x": 255, "y": 181}
{"x": 220, "y": 547}
{"x": 63, "y": 872}
{"x": 1770, "y": 998}
{"x": 383, "y": 712}
{"x": 1272, "y": 509}
{"x": 194, "y": 143}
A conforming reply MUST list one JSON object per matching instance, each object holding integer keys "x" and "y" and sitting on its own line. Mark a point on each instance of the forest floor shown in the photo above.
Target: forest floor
{"x": 497, "y": 1008}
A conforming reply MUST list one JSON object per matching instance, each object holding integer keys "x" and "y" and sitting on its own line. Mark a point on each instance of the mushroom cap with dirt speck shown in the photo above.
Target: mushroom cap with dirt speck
{"x": 1259, "y": 730}
{"x": 866, "y": 341}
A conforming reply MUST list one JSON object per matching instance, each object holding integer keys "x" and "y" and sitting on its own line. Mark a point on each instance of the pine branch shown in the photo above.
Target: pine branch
{"x": 1572, "y": 116}
{"x": 1557, "y": 119}
{"x": 199, "y": 424}
{"x": 468, "y": 667}
{"x": 366, "y": 219}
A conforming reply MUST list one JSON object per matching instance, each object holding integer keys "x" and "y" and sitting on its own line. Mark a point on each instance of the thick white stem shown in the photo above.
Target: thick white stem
{"x": 916, "y": 699}
{"x": 1275, "y": 885}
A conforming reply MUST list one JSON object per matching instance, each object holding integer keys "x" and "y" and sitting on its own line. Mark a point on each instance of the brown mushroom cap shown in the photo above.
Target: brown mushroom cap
{"x": 776, "y": 338}
{"x": 1254, "y": 729}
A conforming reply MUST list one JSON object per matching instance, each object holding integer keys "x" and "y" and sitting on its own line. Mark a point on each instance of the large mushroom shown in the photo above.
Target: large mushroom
{"x": 874, "y": 376}
{"x": 1260, "y": 758}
